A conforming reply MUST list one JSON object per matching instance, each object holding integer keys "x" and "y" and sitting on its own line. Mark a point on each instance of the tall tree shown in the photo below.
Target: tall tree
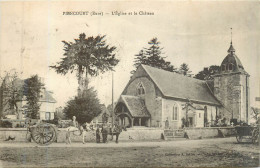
{"x": 87, "y": 56}
{"x": 153, "y": 56}
{"x": 84, "y": 108}
{"x": 185, "y": 70}
{"x": 207, "y": 73}
{"x": 12, "y": 93}
{"x": 32, "y": 90}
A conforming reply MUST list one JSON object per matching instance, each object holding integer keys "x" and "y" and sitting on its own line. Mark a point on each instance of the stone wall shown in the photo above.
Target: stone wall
{"x": 233, "y": 91}
{"x": 152, "y": 102}
{"x": 209, "y": 132}
{"x": 132, "y": 134}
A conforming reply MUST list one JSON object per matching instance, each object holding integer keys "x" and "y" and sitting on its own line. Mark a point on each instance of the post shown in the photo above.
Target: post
{"x": 112, "y": 98}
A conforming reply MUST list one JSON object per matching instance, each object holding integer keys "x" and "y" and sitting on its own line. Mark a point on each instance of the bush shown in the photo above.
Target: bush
{"x": 55, "y": 122}
{"x": 6, "y": 124}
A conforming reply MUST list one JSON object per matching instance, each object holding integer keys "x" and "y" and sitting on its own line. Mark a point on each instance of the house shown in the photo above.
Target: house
{"x": 47, "y": 108}
{"x": 154, "y": 97}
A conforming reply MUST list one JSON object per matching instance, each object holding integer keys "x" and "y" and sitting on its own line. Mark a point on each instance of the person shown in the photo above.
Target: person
{"x": 166, "y": 123}
{"x": 104, "y": 132}
{"x": 117, "y": 130}
{"x": 105, "y": 117}
{"x": 98, "y": 134}
{"x": 73, "y": 127}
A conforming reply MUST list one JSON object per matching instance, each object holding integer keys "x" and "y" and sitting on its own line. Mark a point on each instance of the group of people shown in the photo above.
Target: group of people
{"x": 102, "y": 131}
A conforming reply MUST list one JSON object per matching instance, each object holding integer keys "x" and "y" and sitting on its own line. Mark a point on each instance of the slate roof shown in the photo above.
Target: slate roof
{"x": 47, "y": 97}
{"x": 232, "y": 58}
{"x": 135, "y": 105}
{"x": 178, "y": 86}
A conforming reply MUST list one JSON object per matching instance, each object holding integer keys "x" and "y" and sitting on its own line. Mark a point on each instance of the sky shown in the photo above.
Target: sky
{"x": 197, "y": 33}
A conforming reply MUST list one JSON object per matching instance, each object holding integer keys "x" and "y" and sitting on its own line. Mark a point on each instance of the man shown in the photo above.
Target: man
{"x": 117, "y": 130}
{"x": 98, "y": 134}
{"x": 73, "y": 127}
{"x": 104, "y": 132}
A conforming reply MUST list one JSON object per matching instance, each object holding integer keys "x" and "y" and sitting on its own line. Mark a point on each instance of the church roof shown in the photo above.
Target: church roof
{"x": 232, "y": 58}
{"x": 135, "y": 105}
{"x": 231, "y": 48}
{"x": 179, "y": 86}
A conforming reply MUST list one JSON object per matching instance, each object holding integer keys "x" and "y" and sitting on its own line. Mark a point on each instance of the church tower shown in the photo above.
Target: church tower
{"x": 231, "y": 87}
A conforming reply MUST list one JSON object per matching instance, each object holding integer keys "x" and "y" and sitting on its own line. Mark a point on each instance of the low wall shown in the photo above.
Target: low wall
{"x": 18, "y": 133}
{"x": 133, "y": 134}
{"x": 209, "y": 132}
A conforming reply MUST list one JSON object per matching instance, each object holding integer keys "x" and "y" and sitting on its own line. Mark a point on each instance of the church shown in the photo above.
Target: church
{"x": 158, "y": 98}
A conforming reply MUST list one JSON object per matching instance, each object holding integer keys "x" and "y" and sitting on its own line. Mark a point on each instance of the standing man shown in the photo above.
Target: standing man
{"x": 117, "y": 130}
{"x": 104, "y": 132}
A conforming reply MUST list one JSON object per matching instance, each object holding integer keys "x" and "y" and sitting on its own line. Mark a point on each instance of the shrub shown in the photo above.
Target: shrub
{"x": 6, "y": 124}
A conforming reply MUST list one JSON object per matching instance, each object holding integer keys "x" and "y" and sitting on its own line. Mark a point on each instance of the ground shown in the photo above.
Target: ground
{"x": 221, "y": 152}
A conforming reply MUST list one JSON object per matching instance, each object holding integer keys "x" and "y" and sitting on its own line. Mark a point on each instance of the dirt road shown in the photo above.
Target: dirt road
{"x": 224, "y": 152}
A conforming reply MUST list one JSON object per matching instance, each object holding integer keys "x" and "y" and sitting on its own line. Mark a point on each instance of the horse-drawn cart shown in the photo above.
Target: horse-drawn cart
{"x": 42, "y": 134}
{"x": 247, "y": 132}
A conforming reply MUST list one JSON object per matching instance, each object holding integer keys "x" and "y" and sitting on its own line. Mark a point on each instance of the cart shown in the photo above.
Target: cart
{"x": 244, "y": 133}
{"x": 42, "y": 133}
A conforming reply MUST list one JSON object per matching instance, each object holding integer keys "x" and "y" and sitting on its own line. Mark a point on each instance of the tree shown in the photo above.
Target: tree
{"x": 207, "y": 73}
{"x": 185, "y": 70}
{"x": 84, "y": 108}
{"x": 86, "y": 55}
{"x": 153, "y": 56}
{"x": 32, "y": 90}
{"x": 12, "y": 93}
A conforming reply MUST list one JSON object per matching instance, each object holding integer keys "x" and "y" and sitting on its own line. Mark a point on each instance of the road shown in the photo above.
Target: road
{"x": 224, "y": 152}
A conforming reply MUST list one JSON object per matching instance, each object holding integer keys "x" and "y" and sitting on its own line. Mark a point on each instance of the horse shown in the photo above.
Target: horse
{"x": 116, "y": 130}
{"x": 80, "y": 131}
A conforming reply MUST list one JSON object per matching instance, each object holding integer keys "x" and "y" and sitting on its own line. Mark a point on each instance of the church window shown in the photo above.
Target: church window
{"x": 230, "y": 67}
{"x": 223, "y": 67}
{"x": 175, "y": 113}
{"x": 140, "y": 89}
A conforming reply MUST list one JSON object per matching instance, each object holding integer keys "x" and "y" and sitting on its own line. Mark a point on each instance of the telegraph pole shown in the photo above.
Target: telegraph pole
{"x": 112, "y": 99}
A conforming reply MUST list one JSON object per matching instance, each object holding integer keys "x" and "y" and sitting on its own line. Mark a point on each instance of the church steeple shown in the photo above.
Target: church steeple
{"x": 231, "y": 49}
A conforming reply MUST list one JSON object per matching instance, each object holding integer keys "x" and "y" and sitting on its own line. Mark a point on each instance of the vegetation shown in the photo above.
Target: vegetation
{"x": 207, "y": 73}
{"x": 87, "y": 56}
{"x": 153, "y": 56}
{"x": 32, "y": 90}
{"x": 12, "y": 93}
{"x": 84, "y": 108}
{"x": 185, "y": 70}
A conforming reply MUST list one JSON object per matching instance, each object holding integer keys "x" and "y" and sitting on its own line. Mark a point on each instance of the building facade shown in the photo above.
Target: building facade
{"x": 158, "y": 98}
{"x": 47, "y": 102}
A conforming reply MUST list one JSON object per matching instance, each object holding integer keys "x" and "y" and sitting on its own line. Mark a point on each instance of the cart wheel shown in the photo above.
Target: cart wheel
{"x": 239, "y": 138}
{"x": 44, "y": 134}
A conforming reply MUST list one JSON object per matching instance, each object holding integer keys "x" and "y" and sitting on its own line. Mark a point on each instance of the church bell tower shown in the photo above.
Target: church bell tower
{"x": 231, "y": 87}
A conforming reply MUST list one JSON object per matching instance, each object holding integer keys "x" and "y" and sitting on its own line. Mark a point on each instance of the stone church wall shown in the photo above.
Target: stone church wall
{"x": 231, "y": 90}
{"x": 152, "y": 102}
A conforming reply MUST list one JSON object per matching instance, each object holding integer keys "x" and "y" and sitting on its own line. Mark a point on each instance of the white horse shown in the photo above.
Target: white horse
{"x": 81, "y": 131}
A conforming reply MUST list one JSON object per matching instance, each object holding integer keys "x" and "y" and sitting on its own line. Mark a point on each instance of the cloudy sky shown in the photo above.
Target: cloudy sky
{"x": 197, "y": 33}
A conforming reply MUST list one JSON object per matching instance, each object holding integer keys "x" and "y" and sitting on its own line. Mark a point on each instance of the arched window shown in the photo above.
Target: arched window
{"x": 175, "y": 112}
{"x": 230, "y": 67}
{"x": 140, "y": 89}
{"x": 223, "y": 67}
